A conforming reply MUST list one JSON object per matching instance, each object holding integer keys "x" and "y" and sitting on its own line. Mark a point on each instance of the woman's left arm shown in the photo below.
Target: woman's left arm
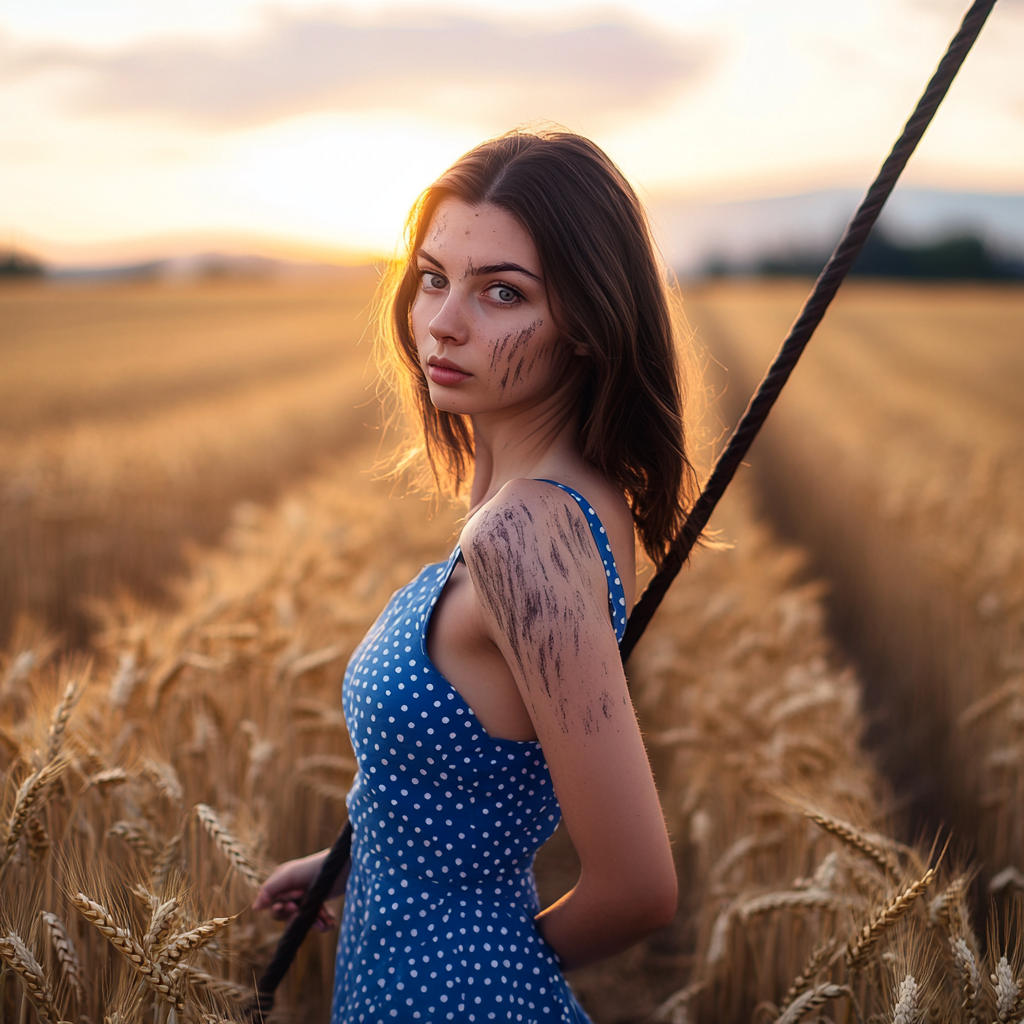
{"x": 543, "y": 592}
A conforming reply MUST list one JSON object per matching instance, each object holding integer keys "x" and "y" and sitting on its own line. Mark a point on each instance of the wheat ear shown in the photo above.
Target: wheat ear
{"x": 811, "y": 1000}
{"x": 165, "y": 859}
{"x": 1007, "y": 992}
{"x": 38, "y": 838}
{"x": 64, "y": 950}
{"x": 108, "y": 777}
{"x": 181, "y": 945}
{"x": 970, "y": 977}
{"x": 946, "y": 909}
{"x": 19, "y": 958}
{"x": 908, "y": 1009}
{"x": 165, "y": 778}
{"x": 232, "y": 849}
{"x": 221, "y": 986}
{"x": 61, "y": 716}
{"x": 136, "y": 836}
{"x": 161, "y": 922}
{"x": 30, "y": 796}
{"x": 811, "y": 969}
{"x": 795, "y": 899}
{"x": 121, "y": 939}
{"x": 867, "y": 845}
{"x": 861, "y": 945}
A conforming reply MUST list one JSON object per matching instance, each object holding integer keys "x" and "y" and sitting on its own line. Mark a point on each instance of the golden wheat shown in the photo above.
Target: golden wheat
{"x": 230, "y": 701}
{"x": 809, "y": 972}
{"x": 31, "y": 794}
{"x": 895, "y": 457}
{"x": 860, "y": 946}
{"x": 64, "y": 951}
{"x": 19, "y": 958}
{"x": 121, "y": 939}
{"x": 232, "y": 849}
{"x": 812, "y": 999}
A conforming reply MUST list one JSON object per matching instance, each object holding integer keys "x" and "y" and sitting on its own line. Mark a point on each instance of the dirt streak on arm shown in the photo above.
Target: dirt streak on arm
{"x": 542, "y": 588}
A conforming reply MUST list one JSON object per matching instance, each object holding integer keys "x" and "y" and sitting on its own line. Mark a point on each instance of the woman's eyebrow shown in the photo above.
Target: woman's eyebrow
{"x": 502, "y": 268}
{"x": 424, "y": 255}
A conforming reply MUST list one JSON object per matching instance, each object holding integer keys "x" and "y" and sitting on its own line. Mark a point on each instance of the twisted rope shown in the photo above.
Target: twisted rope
{"x": 825, "y": 288}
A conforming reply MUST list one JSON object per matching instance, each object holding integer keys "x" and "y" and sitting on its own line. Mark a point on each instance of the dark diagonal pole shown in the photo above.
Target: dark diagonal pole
{"x": 825, "y": 288}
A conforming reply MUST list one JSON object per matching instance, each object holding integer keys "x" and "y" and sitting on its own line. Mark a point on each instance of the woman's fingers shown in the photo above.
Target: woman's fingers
{"x": 286, "y": 909}
{"x": 269, "y": 899}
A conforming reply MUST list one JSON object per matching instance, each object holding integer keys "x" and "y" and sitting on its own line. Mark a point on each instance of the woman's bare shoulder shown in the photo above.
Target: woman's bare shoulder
{"x": 529, "y": 550}
{"x": 530, "y": 522}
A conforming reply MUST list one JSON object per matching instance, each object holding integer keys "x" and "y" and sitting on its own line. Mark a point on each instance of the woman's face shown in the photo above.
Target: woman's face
{"x": 483, "y": 327}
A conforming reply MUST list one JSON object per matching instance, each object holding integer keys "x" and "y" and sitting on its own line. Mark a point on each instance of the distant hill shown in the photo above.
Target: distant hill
{"x": 742, "y": 236}
{"x": 960, "y": 258}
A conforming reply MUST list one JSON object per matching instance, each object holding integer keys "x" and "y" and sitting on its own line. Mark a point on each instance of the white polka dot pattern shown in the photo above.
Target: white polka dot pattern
{"x": 439, "y": 908}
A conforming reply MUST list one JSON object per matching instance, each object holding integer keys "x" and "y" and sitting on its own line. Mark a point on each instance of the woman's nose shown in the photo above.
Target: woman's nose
{"x": 450, "y": 325}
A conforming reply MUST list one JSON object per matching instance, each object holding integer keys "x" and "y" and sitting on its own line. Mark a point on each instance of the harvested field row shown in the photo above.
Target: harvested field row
{"x": 209, "y": 745}
{"x": 133, "y": 418}
{"x": 895, "y": 457}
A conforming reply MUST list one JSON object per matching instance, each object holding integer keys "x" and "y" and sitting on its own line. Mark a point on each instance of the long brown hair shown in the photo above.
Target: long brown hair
{"x": 609, "y": 300}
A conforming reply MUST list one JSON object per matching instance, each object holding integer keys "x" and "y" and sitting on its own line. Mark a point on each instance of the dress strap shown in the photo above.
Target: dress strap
{"x": 616, "y": 592}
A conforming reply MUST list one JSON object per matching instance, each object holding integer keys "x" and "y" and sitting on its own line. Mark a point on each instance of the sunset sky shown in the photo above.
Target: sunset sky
{"x": 129, "y": 127}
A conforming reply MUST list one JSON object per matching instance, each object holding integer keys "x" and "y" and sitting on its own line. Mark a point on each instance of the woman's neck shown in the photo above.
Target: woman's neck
{"x": 535, "y": 442}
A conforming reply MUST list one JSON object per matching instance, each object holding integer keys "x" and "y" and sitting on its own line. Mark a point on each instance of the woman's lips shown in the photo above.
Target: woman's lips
{"x": 446, "y": 375}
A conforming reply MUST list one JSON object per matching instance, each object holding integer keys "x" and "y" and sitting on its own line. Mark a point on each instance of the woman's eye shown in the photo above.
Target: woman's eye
{"x": 432, "y": 280}
{"x": 504, "y": 293}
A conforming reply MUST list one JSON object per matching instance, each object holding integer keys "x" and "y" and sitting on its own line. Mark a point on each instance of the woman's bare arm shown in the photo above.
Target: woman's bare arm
{"x": 543, "y": 592}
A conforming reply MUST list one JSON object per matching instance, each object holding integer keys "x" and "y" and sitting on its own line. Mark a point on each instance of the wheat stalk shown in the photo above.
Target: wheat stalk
{"x": 161, "y": 922}
{"x": 38, "y": 839}
{"x": 64, "y": 950}
{"x": 61, "y": 716}
{"x": 810, "y": 971}
{"x": 121, "y": 939}
{"x": 795, "y": 899}
{"x": 946, "y": 910}
{"x": 108, "y": 777}
{"x": 30, "y": 795}
{"x": 870, "y": 846}
{"x": 861, "y": 944}
{"x": 811, "y": 1000}
{"x": 122, "y": 685}
{"x": 185, "y": 943}
{"x": 221, "y": 986}
{"x": 19, "y": 958}
{"x": 165, "y": 778}
{"x": 232, "y": 849}
{"x": 165, "y": 859}
{"x": 136, "y": 836}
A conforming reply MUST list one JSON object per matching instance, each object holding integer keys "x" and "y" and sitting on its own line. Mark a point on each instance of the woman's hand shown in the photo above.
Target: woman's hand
{"x": 282, "y": 892}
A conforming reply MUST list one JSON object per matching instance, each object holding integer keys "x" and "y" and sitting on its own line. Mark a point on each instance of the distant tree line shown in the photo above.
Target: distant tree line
{"x": 20, "y": 265}
{"x": 961, "y": 258}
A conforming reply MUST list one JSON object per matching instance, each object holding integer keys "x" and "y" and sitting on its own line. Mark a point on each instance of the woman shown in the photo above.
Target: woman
{"x": 529, "y": 330}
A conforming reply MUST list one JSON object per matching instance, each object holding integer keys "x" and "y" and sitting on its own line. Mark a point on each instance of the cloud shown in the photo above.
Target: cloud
{"x": 448, "y": 68}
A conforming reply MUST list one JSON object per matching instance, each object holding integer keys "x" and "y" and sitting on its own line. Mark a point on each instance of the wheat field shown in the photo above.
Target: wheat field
{"x": 134, "y": 415}
{"x": 895, "y": 457}
{"x": 155, "y": 773}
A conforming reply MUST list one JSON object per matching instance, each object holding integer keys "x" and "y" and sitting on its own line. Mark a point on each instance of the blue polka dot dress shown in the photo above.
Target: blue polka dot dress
{"x": 439, "y": 909}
